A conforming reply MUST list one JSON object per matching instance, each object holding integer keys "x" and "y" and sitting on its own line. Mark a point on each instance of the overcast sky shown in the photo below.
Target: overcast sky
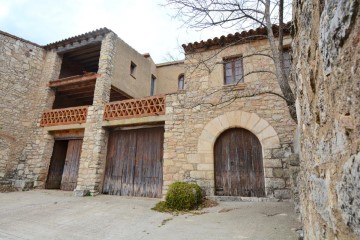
{"x": 143, "y": 24}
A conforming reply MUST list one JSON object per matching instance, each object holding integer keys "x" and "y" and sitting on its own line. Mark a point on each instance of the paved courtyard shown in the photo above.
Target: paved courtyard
{"x": 44, "y": 214}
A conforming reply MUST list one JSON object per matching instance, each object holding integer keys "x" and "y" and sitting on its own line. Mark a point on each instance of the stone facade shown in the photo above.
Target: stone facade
{"x": 20, "y": 70}
{"x": 32, "y": 168}
{"x": 327, "y": 72}
{"x": 207, "y": 107}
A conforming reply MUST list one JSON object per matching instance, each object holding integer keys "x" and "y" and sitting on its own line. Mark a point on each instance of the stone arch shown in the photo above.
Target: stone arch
{"x": 266, "y": 134}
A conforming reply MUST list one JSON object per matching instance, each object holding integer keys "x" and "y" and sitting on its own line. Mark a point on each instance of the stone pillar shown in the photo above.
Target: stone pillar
{"x": 35, "y": 158}
{"x": 93, "y": 154}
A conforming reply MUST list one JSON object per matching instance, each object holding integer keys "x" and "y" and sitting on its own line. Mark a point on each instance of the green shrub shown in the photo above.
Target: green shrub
{"x": 183, "y": 196}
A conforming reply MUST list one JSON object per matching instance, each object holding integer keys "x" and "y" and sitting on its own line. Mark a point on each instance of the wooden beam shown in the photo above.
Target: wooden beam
{"x": 84, "y": 51}
{"x": 76, "y": 90}
{"x": 73, "y": 79}
{"x": 82, "y": 56}
{"x": 75, "y": 86}
{"x": 74, "y": 95}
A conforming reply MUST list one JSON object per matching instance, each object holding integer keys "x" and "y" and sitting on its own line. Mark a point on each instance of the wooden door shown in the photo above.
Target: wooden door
{"x": 238, "y": 164}
{"x": 56, "y": 165}
{"x": 134, "y": 162}
{"x": 71, "y": 167}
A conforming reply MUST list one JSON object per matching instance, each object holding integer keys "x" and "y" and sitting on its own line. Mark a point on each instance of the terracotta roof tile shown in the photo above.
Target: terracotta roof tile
{"x": 236, "y": 38}
{"x": 78, "y": 38}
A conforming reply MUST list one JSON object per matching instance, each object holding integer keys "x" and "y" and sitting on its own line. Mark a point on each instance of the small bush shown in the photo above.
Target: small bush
{"x": 183, "y": 196}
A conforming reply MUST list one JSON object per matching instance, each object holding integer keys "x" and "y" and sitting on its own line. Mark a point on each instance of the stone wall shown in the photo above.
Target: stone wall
{"x": 198, "y": 115}
{"x": 327, "y": 73}
{"x": 33, "y": 165}
{"x": 21, "y": 65}
{"x": 93, "y": 152}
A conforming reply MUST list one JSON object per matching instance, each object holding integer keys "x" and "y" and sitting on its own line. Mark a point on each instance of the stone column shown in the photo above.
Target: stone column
{"x": 93, "y": 154}
{"x": 35, "y": 158}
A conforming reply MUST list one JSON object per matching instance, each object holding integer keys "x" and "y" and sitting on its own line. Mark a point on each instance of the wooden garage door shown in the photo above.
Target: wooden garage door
{"x": 134, "y": 162}
{"x": 71, "y": 167}
{"x": 238, "y": 164}
{"x": 64, "y": 165}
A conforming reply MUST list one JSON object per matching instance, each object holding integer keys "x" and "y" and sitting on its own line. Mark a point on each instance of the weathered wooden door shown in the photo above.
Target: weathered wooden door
{"x": 134, "y": 162}
{"x": 71, "y": 167}
{"x": 56, "y": 165}
{"x": 238, "y": 164}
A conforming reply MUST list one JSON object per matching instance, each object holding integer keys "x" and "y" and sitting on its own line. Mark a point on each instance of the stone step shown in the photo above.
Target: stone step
{"x": 242, "y": 199}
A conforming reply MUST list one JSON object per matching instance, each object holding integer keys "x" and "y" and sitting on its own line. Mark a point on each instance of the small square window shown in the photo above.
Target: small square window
{"x": 233, "y": 71}
{"x": 132, "y": 68}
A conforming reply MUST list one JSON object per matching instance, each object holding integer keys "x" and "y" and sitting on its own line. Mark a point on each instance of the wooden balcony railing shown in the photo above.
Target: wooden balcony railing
{"x": 64, "y": 116}
{"x": 143, "y": 107}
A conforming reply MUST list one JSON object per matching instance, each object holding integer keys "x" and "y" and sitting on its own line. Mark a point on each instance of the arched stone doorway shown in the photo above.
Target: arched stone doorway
{"x": 238, "y": 164}
{"x": 264, "y": 132}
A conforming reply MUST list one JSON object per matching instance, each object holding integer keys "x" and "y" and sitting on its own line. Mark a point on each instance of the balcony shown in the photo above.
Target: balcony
{"x": 135, "y": 108}
{"x": 126, "y": 112}
{"x": 63, "y": 116}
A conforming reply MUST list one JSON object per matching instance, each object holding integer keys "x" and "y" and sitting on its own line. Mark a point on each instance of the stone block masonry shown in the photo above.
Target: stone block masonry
{"x": 207, "y": 107}
{"x": 327, "y": 73}
{"x": 196, "y": 117}
{"x": 21, "y": 68}
{"x": 33, "y": 167}
{"x": 93, "y": 153}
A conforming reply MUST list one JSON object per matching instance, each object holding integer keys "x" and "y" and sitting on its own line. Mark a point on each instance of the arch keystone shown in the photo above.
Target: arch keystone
{"x": 253, "y": 120}
{"x": 244, "y": 119}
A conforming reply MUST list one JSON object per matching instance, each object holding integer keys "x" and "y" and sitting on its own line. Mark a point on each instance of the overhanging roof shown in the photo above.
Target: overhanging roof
{"x": 237, "y": 38}
{"x": 78, "y": 38}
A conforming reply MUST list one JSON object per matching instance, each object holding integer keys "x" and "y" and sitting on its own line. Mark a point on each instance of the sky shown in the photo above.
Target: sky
{"x": 144, "y": 24}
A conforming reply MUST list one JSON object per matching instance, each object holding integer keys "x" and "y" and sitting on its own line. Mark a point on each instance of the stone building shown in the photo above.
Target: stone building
{"x": 91, "y": 114}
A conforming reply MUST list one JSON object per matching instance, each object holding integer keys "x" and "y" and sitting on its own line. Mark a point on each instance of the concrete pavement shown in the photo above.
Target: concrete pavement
{"x": 46, "y": 214}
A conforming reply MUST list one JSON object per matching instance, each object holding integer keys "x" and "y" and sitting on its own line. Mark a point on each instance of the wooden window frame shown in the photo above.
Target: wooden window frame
{"x": 233, "y": 60}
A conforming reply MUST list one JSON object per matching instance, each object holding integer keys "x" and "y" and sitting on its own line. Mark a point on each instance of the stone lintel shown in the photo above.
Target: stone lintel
{"x": 135, "y": 121}
{"x": 66, "y": 127}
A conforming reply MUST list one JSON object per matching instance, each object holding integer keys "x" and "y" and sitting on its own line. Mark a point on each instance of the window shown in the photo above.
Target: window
{"x": 152, "y": 85}
{"x": 233, "y": 71}
{"x": 132, "y": 69}
{"x": 181, "y": 82}
{"x": 287, "y": 61}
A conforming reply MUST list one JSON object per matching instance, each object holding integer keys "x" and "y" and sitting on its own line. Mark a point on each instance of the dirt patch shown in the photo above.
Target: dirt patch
{"x": 6, "y": 189}
{"x": 224, "y": 210}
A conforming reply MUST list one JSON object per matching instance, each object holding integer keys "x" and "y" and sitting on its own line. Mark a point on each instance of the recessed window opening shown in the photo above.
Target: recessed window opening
{"x": 181, "y": 82}
{"x": 132, "y": 68}
{"x": 233, "y": 70}
{"x": 152, "y": 85}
